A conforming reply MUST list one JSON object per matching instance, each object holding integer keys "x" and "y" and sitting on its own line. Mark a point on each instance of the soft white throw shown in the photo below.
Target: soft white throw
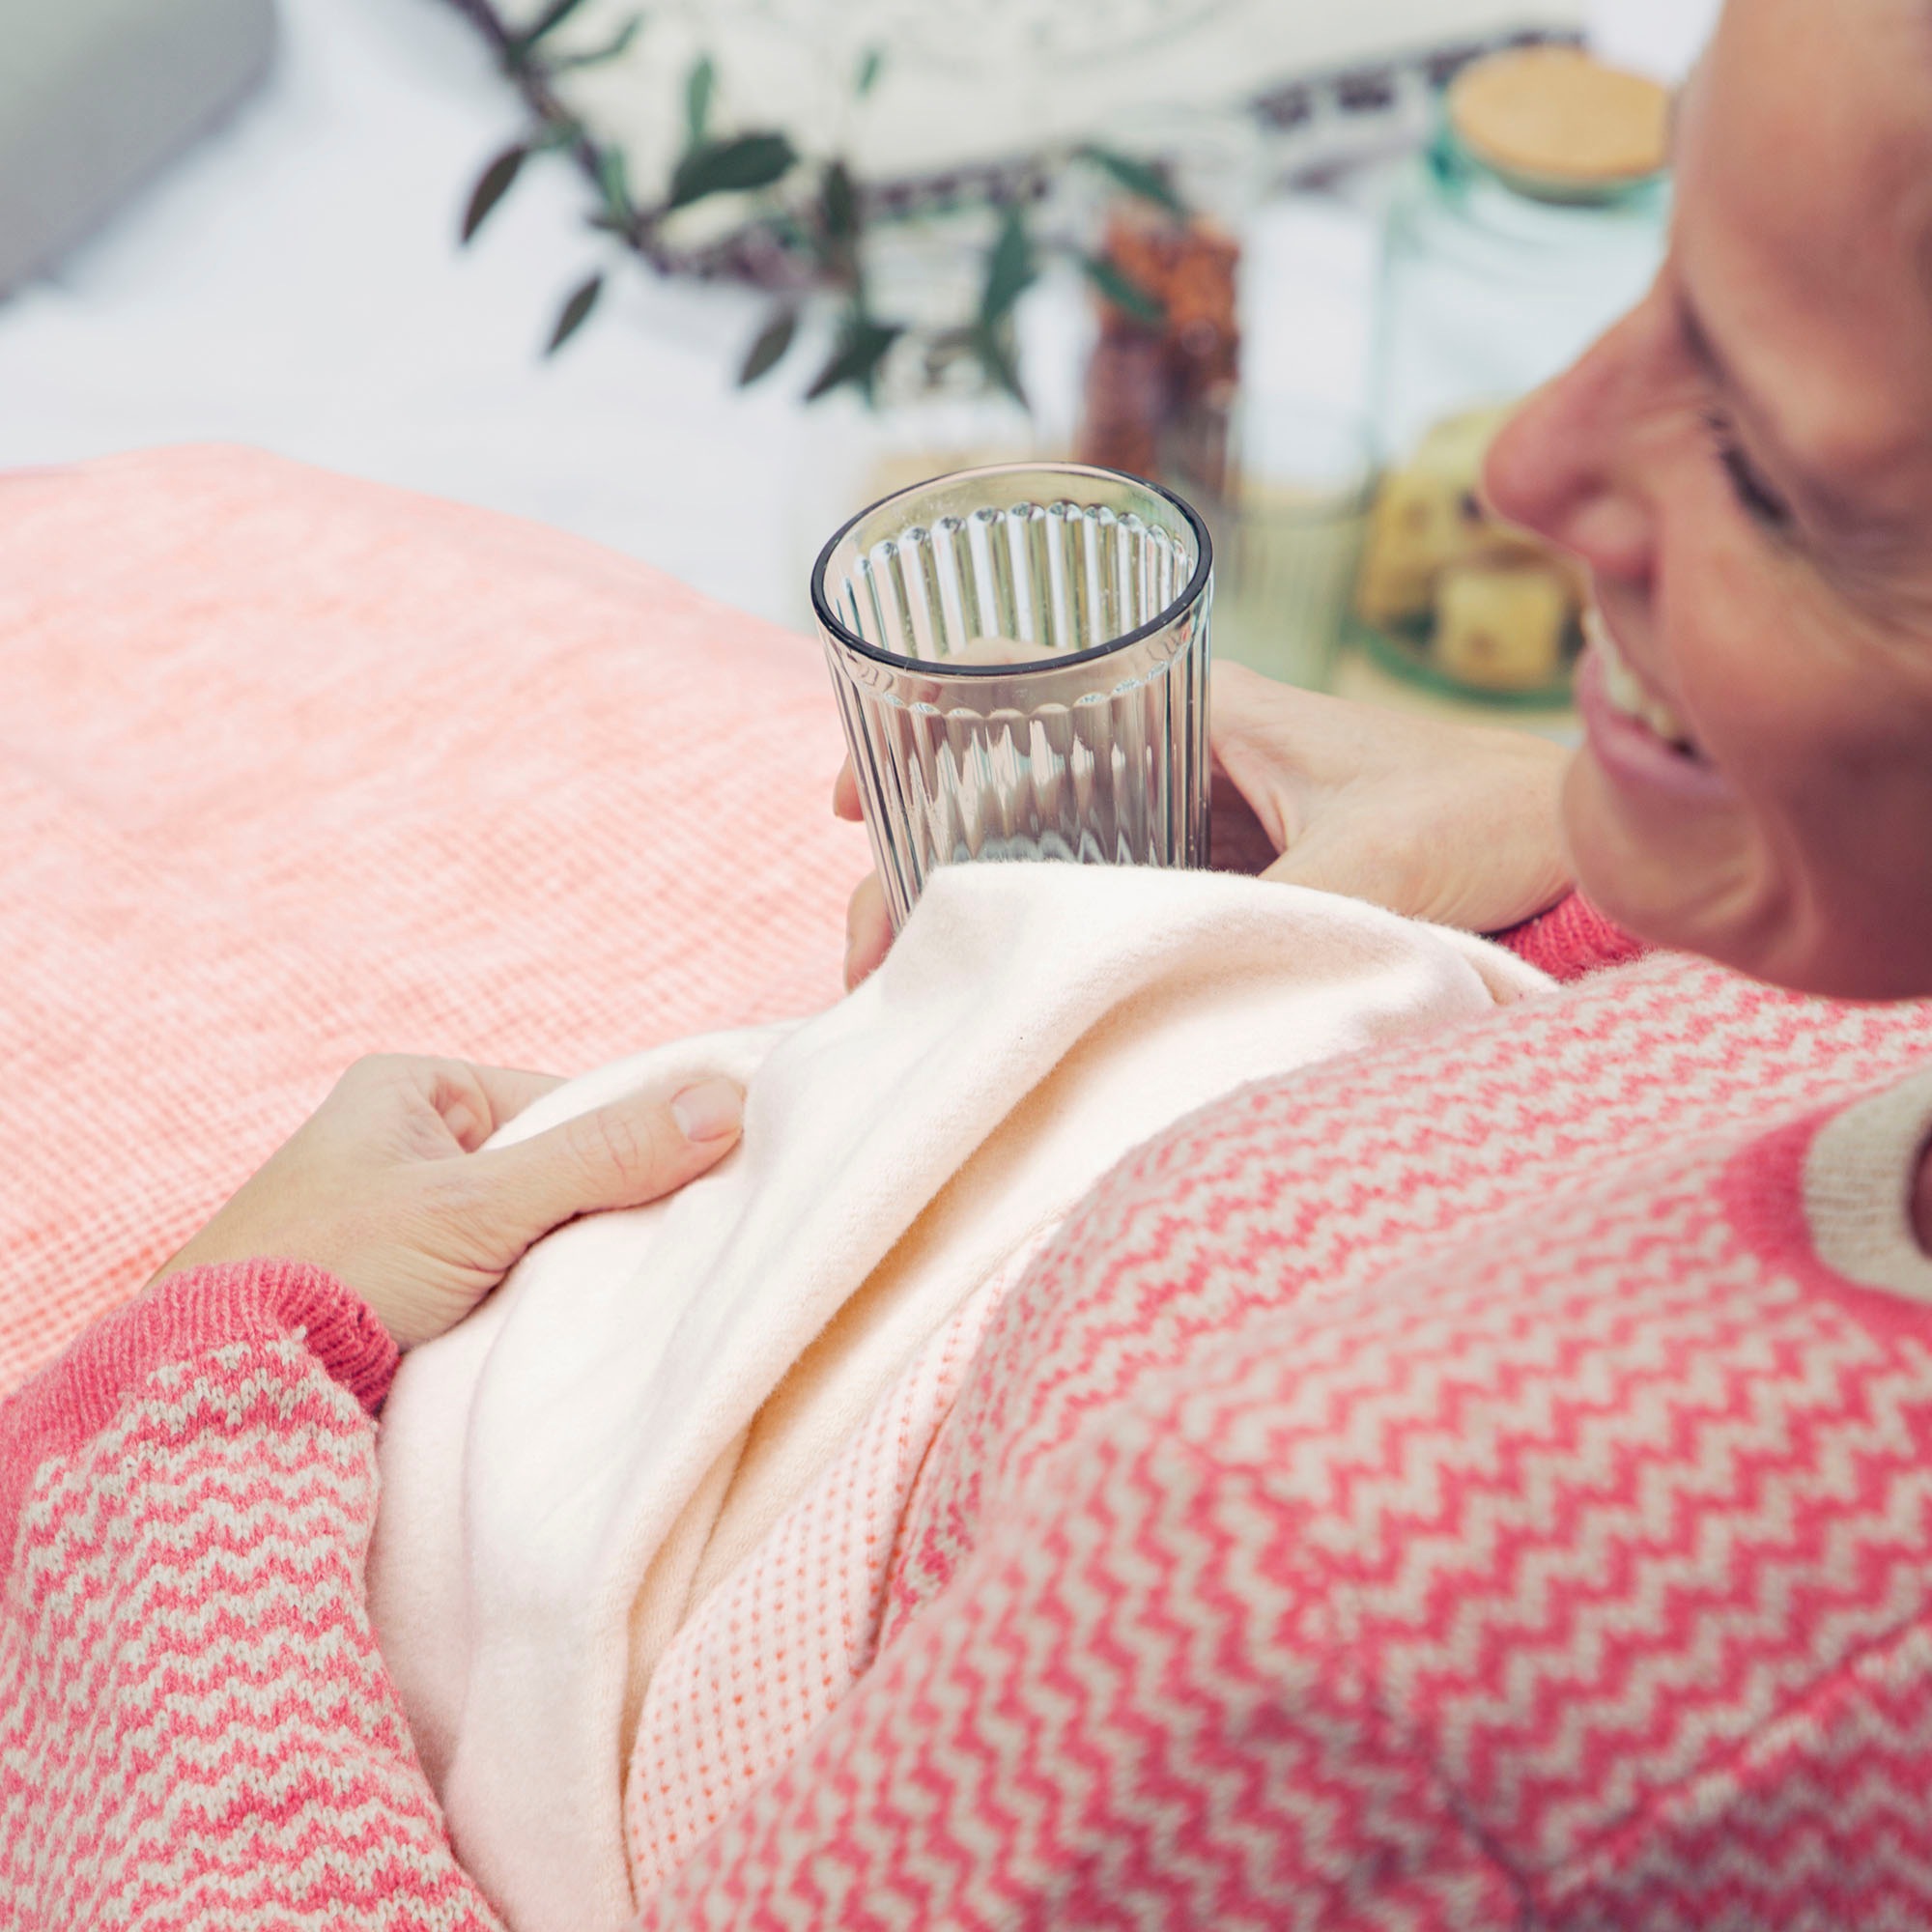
{"x": 569, "y": 1474}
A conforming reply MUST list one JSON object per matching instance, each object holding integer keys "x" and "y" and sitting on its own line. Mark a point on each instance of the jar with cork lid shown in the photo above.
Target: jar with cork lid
{"x": 1535, "y": 218}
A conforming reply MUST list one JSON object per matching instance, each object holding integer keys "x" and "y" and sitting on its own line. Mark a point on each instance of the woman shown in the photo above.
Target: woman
{"x": 1486, "y": 1483}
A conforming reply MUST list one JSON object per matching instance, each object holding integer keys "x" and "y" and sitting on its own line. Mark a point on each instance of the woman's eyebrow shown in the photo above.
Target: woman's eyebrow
{"x": 1705, "y": 353}
{"x": 1697, "y": 339}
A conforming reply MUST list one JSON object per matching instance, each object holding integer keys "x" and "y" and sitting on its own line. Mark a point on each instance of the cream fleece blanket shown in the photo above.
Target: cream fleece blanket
{"x": 568, "y": 1475}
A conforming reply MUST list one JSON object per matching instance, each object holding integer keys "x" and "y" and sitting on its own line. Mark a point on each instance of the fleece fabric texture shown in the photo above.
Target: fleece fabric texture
{"x": 574, "y": 1469}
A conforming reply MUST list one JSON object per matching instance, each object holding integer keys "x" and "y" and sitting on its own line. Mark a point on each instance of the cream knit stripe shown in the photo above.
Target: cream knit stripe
{"x": 198, "y": 1729}
{"x": 1857, "y": 1189}
{"x": 228, "y": 1505}
{"x": 320, "y": 1807}
{"x": 186, "y": 1605}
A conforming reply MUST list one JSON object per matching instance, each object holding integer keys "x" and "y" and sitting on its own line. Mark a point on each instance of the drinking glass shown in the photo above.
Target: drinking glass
{"x": 1020, "y": 656}
{"x": 1305, "y": 475}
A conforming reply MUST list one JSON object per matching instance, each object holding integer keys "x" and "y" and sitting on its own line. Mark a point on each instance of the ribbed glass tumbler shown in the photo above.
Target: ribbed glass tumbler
{"x": 1021, "y": 660}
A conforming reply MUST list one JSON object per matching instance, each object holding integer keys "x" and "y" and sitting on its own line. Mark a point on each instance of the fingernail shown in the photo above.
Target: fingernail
{"x": 709, "y": 1110}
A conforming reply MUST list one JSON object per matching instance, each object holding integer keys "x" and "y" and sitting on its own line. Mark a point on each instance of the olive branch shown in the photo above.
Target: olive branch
{"x": 808, "y": 218}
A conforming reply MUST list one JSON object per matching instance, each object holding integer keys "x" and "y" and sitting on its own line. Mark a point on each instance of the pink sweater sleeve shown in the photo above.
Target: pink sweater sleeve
{"x": 1571, "y": 939}
{"x": 196, "y": 1729}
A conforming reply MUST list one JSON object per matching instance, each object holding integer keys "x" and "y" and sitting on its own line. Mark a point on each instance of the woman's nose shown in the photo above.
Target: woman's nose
{"x": 1560, "y": 466}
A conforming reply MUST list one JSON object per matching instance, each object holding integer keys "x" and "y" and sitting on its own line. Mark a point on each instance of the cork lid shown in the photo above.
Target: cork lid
{"x": 1557, "y": 122}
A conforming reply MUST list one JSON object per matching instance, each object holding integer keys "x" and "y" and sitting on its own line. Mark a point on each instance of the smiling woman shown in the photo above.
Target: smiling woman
{"x": 1745, "y": 465}
{"x": 1478, "y": 1479}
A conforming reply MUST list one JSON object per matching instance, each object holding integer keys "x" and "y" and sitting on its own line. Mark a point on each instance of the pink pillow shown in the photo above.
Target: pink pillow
{"x": 295, "y": 768}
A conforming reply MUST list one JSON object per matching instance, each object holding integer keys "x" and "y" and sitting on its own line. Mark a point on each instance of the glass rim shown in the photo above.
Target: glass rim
{"x": 1197, "y": 581}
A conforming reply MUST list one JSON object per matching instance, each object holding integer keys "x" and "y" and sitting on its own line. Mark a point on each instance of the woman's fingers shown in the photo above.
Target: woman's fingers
{"x": 624, "y": 1154}
{"x": 470, "y": 1101}
{"x": 474, "y": 1101}
{"x": 380, "y": 1185}
{"x": 509, "y": 1089}
{"x": 1237, "y": 839}
{"x": 845, "y": 794}
{"x": 868, "y": 931}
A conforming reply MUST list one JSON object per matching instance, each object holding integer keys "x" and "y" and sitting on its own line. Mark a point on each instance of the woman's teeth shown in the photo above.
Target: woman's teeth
{"x": 1628, "y": 697}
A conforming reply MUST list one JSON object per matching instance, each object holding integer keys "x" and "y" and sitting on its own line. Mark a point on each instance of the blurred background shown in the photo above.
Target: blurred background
{"x": 1289, "y": 257}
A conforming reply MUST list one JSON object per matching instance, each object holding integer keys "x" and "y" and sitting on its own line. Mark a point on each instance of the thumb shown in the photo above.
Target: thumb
{"x": 621, "y": 1156}
{"x": 845, "y": 793}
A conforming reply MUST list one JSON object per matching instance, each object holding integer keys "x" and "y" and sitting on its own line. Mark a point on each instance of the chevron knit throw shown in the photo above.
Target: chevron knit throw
{"x": 1484, "y": 1483}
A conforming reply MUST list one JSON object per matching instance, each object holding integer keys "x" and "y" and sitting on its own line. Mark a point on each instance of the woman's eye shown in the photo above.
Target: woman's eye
{"x": 1761, "y": 502}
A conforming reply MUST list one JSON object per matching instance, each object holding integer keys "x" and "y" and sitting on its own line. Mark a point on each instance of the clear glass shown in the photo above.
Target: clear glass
{"x": 1304, "y": 477}
{"x": 1488, "y": 290}
{"x": 1020, "y": 655}
{"x": 1490, "y": 284}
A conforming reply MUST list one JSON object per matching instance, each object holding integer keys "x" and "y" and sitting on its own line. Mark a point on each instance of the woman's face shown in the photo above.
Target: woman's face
{"x": 1746, "y": 464}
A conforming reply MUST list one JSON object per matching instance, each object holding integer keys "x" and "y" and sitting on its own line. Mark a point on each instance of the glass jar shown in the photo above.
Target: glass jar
{"x": 1525, "y": 229}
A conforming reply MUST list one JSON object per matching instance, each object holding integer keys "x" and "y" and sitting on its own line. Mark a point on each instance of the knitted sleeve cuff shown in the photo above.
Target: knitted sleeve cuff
{"x": 1570, "y": 939}
{"x": 177, "y": 1318}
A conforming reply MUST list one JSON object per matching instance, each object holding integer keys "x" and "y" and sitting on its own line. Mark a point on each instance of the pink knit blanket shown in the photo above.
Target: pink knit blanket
{"x": 294, "y": 768}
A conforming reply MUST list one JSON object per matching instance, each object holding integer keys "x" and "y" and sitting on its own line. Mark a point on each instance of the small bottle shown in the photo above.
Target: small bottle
{"x": 1535, "y": 218}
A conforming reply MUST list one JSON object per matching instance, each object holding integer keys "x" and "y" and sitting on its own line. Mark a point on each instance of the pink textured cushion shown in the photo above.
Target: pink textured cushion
{"x": 295, "y": 768}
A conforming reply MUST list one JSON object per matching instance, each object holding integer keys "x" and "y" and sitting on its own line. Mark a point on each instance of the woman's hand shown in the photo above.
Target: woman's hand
{"x": 1454, "y": 823}
{"x": 384, "y": 1186}
{"x": 1457, "y": 824}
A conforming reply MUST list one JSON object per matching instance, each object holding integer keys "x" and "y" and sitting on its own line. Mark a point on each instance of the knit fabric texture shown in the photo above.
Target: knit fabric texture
{"x": 196, "y": 1729}
{"x": 295, "y": 768}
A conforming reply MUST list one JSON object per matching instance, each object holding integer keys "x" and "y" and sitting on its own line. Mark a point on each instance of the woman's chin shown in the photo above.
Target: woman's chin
{"x": 1675, "y": 884}
{"x": 1706, "y": 885}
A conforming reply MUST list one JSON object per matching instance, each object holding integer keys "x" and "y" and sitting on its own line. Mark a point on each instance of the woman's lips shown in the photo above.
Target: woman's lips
{"x": 1634, "y": 755}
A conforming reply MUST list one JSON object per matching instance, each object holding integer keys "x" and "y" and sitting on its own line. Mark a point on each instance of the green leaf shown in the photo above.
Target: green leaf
{"x": 614, "y": 48}
{"x": 738, "y": 165}
{"x": 575, "y": 313}
{"x": 699, "y": 85}
{"x": 613, "y": 180}
{"x": 552, "y": 17}
{"x": 1126, "y": 295}
{"x": 994, "y": 349}
{"x": 861, "y": 348}
{"x": 1139, "y": 178}
{"x": 838, "y": 203}
{"x": 871, "y": 64}
{"x": 1010, "y": 270}
{"x": 769, "y": 349}
{"x": 492, "y": 185}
